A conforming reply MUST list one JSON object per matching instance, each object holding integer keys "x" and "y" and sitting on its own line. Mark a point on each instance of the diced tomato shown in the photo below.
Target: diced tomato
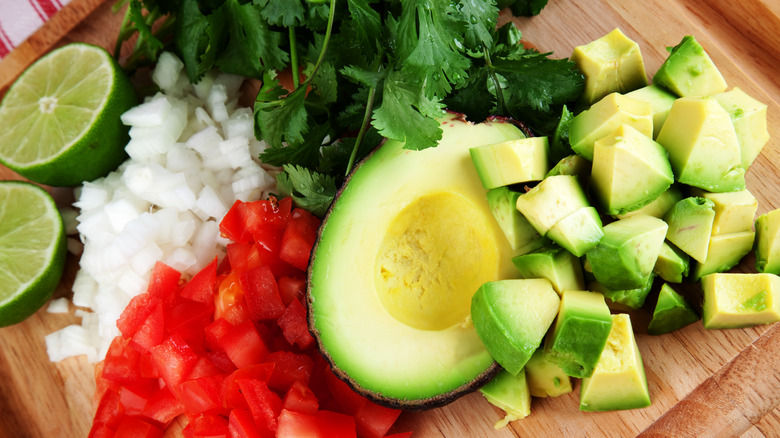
{"x": 204, "y": 367}
{"x": 241, "y": 424}
{"x": 324, "y": 424}
{"x": 400, "y": 435}
{"x": 291, "y": 287}
{"x": 294, "y": 325}
{"x": 266, "y": 217}
{"x": 288, "y": 368}
{"x": 203, "y": 395}
{"x": 300, "y": 398}
{"x": 243, "y": 345}
{"x": 203, "y": 285}
{"x": 261, "y": 293}
{"x": 208, "y": 425}
{"x": 174, "y": 360}
{"x": 232, "y": 395}
{"x": 137, "y": 427}
{"x": 152, "y": 331}
{"x": 135, "y": 398}
{"x": 187, "y": 318}
{"x": 164, "y": 283}
{"x": 298, "y": 238}
{"x": 109, "y": 411}
{"x": 242, "y": 256}
{"x": 373, "y": 420}
{"x": 263, "y": 403}
{"x": 163, "y": 407}
{"x": 122, "y": 362}
{"x": 101, "y": 431}
{"x": 349, "y": 401}
{"x": 134, "y": 315}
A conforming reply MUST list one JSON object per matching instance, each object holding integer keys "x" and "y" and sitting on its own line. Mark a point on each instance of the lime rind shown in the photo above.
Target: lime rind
{"x": 32, "y": 250}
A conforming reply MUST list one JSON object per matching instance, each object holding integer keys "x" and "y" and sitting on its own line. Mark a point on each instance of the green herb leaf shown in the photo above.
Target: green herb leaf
{"x": 480, "y": 17}
{"x": 283, "y": 119}
{"x": 310, "y": 190}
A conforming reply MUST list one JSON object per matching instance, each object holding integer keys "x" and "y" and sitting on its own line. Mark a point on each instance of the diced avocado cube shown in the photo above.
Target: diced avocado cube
{"x": 619, "y": 380}
{"x": 690, "y": 226}
{"x": 511, "y": 318}
{"x": 572, "y": 165}
{"x": 723, "y": 253}
{"x": 578, "y": 232}
{"x": 660, "y": 101}
{"x": 673, "y": 264}
{"x": 624, "y": 299}
{"x": 689, "y": 71}
{"x": 702, "y": 145}
{"x": 604, "y": 117}
{"x": 545, "y": 378}
{"x": 659, "y": 206}
{"x": 625, "y": 257}
{"x": 629, "y": 170}
{"x": 612, "y": 63}
{"x": 554, "y": 263}
{"x": 511, "y": 162}
{"x": 509, "y": 393}
{"x": 551, "y": 200}
{"x": 768, "y": 242}
{"x": 671, "y": 312}
{"x": 580, "y": 332}
{"x": 734, "y": 211}
{"x": 749, "y": 118}
{"x": 740, "y": 300}
{"x": 521, "y": 235}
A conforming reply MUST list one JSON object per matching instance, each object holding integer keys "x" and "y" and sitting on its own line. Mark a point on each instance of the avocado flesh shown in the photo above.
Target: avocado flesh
{"x": 510, "y": 393}
{"x": 671, "y": 312}
{"x": 740, "y": 300}
{"x": 397, "y": 357}
{"x": 768, "y": 242}
{"x": 689, "y": 71}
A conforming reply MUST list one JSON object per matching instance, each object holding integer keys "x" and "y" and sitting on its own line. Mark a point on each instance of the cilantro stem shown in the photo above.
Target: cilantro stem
{"x": 325, "y": 42}
{"x": 294, "y": 58}
{"x": 363, "y": 128}
{"x": 492, "y": 71}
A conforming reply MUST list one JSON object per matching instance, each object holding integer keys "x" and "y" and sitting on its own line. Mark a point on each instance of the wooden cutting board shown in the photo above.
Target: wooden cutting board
{"x": 702, "y": 383}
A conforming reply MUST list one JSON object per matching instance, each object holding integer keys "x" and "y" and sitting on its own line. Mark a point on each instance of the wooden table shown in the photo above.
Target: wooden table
{"x": 702, "y": 383}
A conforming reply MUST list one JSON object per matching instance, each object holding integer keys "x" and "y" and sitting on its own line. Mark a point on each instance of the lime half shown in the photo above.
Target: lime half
{"x": 32, "y": 250}
{"x": 60, "y": 119}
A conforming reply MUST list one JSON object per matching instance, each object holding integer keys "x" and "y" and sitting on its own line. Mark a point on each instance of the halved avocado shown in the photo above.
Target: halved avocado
{"x": 407, "y": 242}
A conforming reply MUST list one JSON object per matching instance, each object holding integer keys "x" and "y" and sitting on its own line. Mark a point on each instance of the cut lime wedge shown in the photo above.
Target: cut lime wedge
{"x": 60, "y": 119}
{"x": 32, "y": 250}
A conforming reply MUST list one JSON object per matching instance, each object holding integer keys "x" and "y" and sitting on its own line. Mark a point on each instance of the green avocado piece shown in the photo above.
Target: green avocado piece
{"x": 580, "y": 332}
{"x": 578, "y": 232}
{"x": 401, "y": 223}
{"x": 625, "y": 257}
{"x": 723, "y": 253}
{"x": 618, "y": 381}
{"x": 554, "y": 263}
{"x": 553, "y": 199}
{"x": 740, "y": 300}
{"x": 690, "y": 226}
{"x": 629, "y": 171}
{"x": 545, "y": 378}
{"x": 671, "y": 312}
{"x": 603, "y": 117}
{"x": 749, "y": 118}
{"x": 673, "y": 264}
{"x": 768, "y": 242}
{"x": 572, "y": 165}
{"x": 521, "y": 235}
{"x": 660, "y": 101}
{"x": 702, "y": 145}
{"x": 612, "y": 63}
{"x": 511, "y": 394}
{"x": 511, "y": 162}
{"x": 689, "y": 71}
{"x": 659, "y": 206}
{"x": 734, "y": 211}
{"x": 512, "y": 316}
{"x": 625, "y": 299}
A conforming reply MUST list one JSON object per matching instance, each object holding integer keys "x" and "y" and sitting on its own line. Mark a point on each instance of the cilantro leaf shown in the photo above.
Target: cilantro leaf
{"x": 310, "y": 190}
{"x": 528, "y": 8}
{"x": 285, "y": 13}
{"x": 559, "y": 143}
{"x": 480, "y": 17}
{"x": 194, "y": 32}
{"x": 282, "y": 120}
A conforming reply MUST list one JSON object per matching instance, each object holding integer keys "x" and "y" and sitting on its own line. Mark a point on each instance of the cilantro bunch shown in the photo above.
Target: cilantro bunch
{"x": 362, "y": 71}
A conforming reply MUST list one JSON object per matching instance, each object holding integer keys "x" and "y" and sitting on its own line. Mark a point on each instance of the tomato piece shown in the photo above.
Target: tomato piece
{"x": 294, "y": 325}
{"x": 101, "y": 431}
{"x": 242, "y": 256}
{"x": 186, "y": 318}
{"x": 263, "y": 403}
{"x": 122, "y": 363}
{"x": 400, "y": 435}
{"x": 163, "y": 407}
{"x": 232, "y": 224}
{"x": 135, "y": 398}
{"x": 261, "y": 294}
{"x": 174, "y": 359}
{"x": 152, "y": 330}
{"x": 208, "y": 425}
{"x": 241, "y": 424}
{"x": 374, "y": 421}
{"x": 203, "y": 285}
{"x": 232, "y": 396}
{"x": 266, "y": 217}
{"x": 289, "y": 367}
{"x": 203, "y": 395}
{"x": 134, "y": 314}
{"x": 291, "y": 287}
{"x": 348, "y": 400}
{"x": 109, "y": 412}
{"x": 298, "y": 238}
{"x": 136, "y": 427}
{"x": 300, "y": 398}
{"x": 215, "y": 331}
{"x": 324, "y": 424}
{"x": 243, "y": 345}
{"x": 164, "y": 283}
{"x": 204, "y": 367}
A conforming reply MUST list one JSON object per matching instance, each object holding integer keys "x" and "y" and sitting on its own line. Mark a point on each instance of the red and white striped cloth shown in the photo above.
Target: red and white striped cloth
{"x": 21, "y": 18}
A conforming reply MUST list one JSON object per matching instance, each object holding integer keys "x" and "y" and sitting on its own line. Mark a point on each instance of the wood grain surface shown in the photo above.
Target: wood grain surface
{"x": 702, "y": 382}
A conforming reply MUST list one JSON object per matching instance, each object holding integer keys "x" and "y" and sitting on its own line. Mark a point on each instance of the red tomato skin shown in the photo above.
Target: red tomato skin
{"x": 174, "y": 359}
{"x": 261, "y": 294}
{"x": 294, "y": 325}
{"x": 298, "y": 238}
{"x": 136, "y": 427}
{"x": 288, "y": 368}
{"x": 241, "y": 424}
{"x": 300, "y": 398}
{"x": 374, "y": 421}
{"x": 291, "y": 287}
{"x": 243, "y": 345}
{"x": 203, "y": 285}
{"x": 263, "y": 403}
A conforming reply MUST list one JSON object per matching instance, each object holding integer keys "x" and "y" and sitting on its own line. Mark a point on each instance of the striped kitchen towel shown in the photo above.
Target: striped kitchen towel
{"x": 21, "y": 18}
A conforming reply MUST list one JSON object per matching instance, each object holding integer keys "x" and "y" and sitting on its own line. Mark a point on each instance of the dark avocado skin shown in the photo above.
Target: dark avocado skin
{"x": 404, "y": 404}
